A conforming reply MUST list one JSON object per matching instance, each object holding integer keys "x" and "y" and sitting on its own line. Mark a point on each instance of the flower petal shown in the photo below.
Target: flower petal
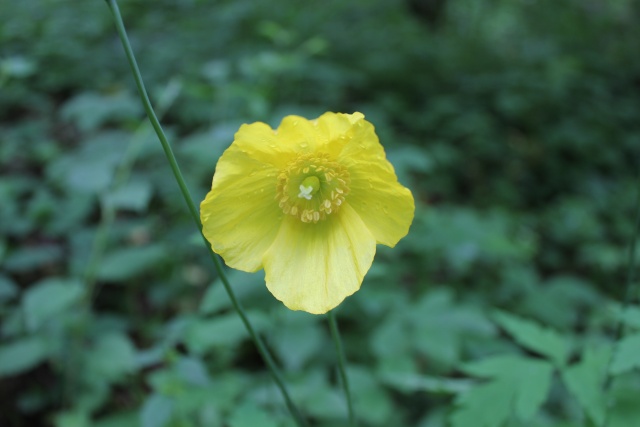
{"x": 260, "y": 142}
{"x": 313, "y": 267}
{"x": 337, "y": 125}
{"x": 301, "y": 134}
{"x": 385, "y": 206}
{"x": 240, "y": 216}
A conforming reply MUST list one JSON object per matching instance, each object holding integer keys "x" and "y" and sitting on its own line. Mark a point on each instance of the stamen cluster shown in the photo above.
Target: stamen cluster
{"x": 327, "y": 199}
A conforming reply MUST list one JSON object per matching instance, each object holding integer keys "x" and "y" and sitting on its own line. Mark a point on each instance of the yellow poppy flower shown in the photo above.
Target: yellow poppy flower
{"x": 307, "y": 202}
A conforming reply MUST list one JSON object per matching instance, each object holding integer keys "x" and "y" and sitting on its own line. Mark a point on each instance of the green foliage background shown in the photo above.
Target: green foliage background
{"x": 515, "y": 123}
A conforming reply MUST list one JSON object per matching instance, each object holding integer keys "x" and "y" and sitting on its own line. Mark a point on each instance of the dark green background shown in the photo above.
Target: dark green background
{"x": 516, "y": 124}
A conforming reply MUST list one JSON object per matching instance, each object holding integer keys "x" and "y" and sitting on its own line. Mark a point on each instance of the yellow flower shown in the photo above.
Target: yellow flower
{"x": 307, "y": 202}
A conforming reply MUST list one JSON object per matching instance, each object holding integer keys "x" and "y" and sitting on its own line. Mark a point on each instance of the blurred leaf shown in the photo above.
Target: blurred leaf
{"x": 193, "y": 371}
{"x": 91, "y": 110}
{"x": 559, "y": 301}
{"x": 156, "y": 411}
{"x": 622, "y": 402}
{"x": 626, "y": 355}
{"x": 120, "y": 419}
{"x": 124, "y": 264}
{"x": 518, "y": 386}
{"x": 112, "y": 357}
{"x": 224, "y": 330}
{"x": 72, "y": 419}
{"x": 133, "y": 196}
{"x": 542, "y": 340}
{"x": 49, "y": 298}
{"x": 631, "y": 316}
{"x": 8, "y": 289}
{"x": 297, "y": 337}
{"x": 248, "y": 415}
{"x": 390, "y": 338}
{"x": 372, "y": 403}
{"x": 585, "y": 380}
{"x": 465, "y": 236}
{"x": 21, "y": 355}
{"x": 408, "y": 159}
{"x": 90, "y": 168}
{"x": 244, "y": 285}
{"x": 326, "y": 403}
{"x": 439, "y": 324}
{"x": 31, "y": 258}
{"x": 17, "y": 67}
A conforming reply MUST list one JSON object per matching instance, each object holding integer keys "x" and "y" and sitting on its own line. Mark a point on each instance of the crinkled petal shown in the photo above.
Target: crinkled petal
{"x": 385, "y": 206}
{"x": 300, "y": 133}
{"x": 260, "y": 142}
{"x": 313, "y": 267}
{"x": 328, "y": 133}
{"x": 337, "y": 128}
{"x": 240, "y": 216}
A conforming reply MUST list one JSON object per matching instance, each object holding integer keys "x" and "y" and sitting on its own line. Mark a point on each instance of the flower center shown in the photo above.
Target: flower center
{"x": 312, "y": 187}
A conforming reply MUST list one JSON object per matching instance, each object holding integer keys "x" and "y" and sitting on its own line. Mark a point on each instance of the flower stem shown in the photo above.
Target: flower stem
{"x": 342, "y": 363}
{"x": 262, "y": 349}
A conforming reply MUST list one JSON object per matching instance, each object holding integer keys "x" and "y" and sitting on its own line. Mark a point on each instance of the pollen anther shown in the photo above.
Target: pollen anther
{"x": 312, "y": 187}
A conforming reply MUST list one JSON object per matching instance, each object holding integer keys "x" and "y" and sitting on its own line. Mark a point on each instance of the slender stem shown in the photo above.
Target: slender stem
{"x": 342, "y": 363}
{"x": 262, "y": 349}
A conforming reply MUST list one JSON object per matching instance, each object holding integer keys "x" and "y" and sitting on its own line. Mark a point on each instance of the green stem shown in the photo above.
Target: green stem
{"x": 342, "y": 363}
{"x": 262, "y": 349}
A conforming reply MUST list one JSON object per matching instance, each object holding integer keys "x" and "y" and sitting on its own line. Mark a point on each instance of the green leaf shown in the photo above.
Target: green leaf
{"x": 133, "y": 196}
{"x": 534, "y": 337}
{"x": 156, "y": 411}
{"x": 244, "y": 285}
{"x": 112, "y": 357}
{"x": 517, "y": 386}
{"x": 372, "y": 402}
{"x": 627, "y": 355}
{"x": 119, "y": 419}
{"x": 127, "y": 263}
{"x": 224, "y": 330}
{"x": 623, "y": 409}
{"x": 585, "y": 381}
{"x": 297, "y": 340}
{"x": 17, "y": 66}
{"x": 193, "y": 371}
{"x": 631, "y": 316}
{"x": 91, "y": 167}
{"x": 22, "y": 355}
{"x": 27, "y": 259}
{"x": 48, "y": 299}
{"x": 484, "y": 406}
{"x": 90, "y": 110}
{"x": 249, "y": 415}
{"x": 8, "y": 288}
{"x": 438, "y": 326}
{"x": 72, "y": 419}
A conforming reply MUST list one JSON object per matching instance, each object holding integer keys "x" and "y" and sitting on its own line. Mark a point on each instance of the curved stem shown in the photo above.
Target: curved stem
{"x": 342, "y": 363}
{"x": 262, "y": 349}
